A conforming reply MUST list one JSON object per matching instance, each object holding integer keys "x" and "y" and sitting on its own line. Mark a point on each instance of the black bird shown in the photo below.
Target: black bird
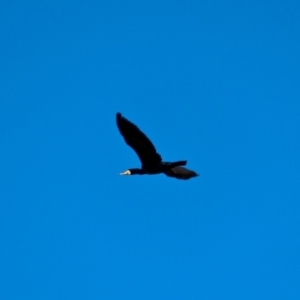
{"x": 151, "y": 161}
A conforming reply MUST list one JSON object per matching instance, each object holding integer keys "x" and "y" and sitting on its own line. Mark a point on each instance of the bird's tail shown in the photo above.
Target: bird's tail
{"x": 171, "y": 165}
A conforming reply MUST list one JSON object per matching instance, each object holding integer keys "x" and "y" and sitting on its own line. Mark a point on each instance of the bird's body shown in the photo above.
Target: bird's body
{"x": 151, "y": 161}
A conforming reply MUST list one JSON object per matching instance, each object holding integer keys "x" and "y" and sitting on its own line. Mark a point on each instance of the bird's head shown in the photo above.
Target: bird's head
{"x": 127, "y": 172}
{"x": 133, "y": 171}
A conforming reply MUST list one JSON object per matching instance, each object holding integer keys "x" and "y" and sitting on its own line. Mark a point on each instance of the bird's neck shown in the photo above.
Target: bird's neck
{"x": 136, "y": 171}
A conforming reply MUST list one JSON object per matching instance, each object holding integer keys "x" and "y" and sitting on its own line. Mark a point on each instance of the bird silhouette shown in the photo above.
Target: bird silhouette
{"x": 151, "y": 161}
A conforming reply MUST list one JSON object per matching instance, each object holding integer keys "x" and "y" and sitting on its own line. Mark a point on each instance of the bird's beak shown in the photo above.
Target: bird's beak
{"x": 126, "y": 173}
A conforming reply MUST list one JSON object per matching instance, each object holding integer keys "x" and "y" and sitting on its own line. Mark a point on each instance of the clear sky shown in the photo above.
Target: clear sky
{"x": 214, "y": 82}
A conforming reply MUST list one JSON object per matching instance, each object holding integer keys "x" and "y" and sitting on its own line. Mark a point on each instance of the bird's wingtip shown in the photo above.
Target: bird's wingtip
{"x": 118, "y": 116}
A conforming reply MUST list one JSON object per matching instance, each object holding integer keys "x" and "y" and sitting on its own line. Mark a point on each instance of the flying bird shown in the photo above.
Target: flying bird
{"x": 151, "y": 161}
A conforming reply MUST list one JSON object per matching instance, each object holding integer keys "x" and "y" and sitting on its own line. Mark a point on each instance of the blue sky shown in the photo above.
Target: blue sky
{"x": 213, "y": 82}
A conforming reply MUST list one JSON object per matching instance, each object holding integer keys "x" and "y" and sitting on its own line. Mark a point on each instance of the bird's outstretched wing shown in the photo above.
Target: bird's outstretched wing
{"x": 138, "y": 141}
{"x": 181, "y": 173}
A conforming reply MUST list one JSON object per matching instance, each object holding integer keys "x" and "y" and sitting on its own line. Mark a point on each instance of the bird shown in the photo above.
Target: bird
{"x": 151, "y": 160}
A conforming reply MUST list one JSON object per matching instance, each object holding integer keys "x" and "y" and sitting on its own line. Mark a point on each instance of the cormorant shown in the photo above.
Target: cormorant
{"x": 151, "y": 161}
